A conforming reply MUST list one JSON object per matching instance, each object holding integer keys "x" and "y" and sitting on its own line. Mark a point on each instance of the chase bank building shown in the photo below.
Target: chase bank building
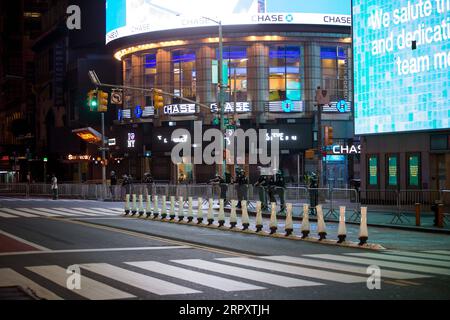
{"x": 276, "y": 54}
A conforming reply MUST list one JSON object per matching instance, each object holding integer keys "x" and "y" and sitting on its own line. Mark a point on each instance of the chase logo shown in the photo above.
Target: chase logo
{"x": 289, "y": 18}
{"x": 287, "y": 106}
{"x": 341, "y": 106}
{"x": 138, "y": 112}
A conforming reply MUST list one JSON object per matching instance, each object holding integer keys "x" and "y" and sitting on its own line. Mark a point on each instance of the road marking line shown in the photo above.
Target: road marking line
{"x": 259, "y": 276}
{"x": 419, "y": 255}
{"x": 381, "y": 263}
{"x": 401, "y": 259}
{"x": 19, "y": 213}
{"x": 343, "y": 267}
{"x": 409, "y": 282}
{"x": 31, "y": 244}
{"x": 299, "y": 271}
{"x": 134, "y": 279}
{"x": 92, "y": 250}
{"x": 195, "y": 277}
{"x": 90, "y": 289}
{"x": 397, "y": 283}
{"x": 73, "y": 212}
{"x": 443, "y": 252}
{"x": 45, "y": 212}
{"x": 7, "y": 215}
{"x": 9, "y": 277}
{"x": 112, "y": 212}
{"x": 94, "y": 211}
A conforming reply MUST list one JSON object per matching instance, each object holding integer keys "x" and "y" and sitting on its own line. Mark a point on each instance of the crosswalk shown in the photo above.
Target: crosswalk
{"x": 195, "y": 278}
{"x": 58, "y": 212}
{"x": 42, "y": 200}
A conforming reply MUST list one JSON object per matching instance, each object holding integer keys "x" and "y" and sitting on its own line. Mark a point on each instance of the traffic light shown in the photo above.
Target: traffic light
{"x": 92, "y": 100}
{"x": 328, "y": 136}
{"x": 102, "y": 101}
{"x": 158, "y": 99}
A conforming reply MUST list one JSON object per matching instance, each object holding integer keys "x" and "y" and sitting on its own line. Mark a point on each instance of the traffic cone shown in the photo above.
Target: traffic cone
{"x": 190, "y": 215}
{"x": 164, "y": 207}
{"x": 342, "y": 230}
{"x": 141, "y": 205}
{"x": 321, "y": 228}
{"x": 155, "y": 207}
{"x": 200, "y": 211}
{"x": 221, "y": 216}
{"x": 180, "y": 209}
{"x": 289, "y": 226}
{"x": 245, "y": 218}
{"x": 273, "y": 218}
{"x": 134, "y": 205}
{"x": 233, "y": 215}
{"x": 210, "y": 215}
{"x": 172, "y": 208}
{"x": 259, "y": 221}
{"x": 305, "y": 222}
{"x": 363, "y": 231}
{"x": 127, "y": 204}
{"x": 148, "y": 208}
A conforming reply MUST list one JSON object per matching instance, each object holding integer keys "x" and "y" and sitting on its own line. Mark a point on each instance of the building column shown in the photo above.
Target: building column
{"x": 164, "y": 73}
{"x": 137, "y": 80}
{"x": 258, "y": 79}
{"x": 313, "y": 74}
{"x": 205, "y": 88}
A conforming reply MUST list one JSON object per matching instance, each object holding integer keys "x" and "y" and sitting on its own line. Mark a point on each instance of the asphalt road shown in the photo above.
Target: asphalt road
{"x": 129, "y": 258}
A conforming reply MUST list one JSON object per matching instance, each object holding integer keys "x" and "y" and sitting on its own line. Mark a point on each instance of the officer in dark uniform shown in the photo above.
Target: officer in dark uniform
{"x": 313, "y": 192}
{"x": 262, "y": 184}
{"x": 218, "y": 180}
{"x": 242, "y": 182}
{"x": 126, "y": 183}
{"x": 280, "y": 188}
{"x": 148, "y": 180}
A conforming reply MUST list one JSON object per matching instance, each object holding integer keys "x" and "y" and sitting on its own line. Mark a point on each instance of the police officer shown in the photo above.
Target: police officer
{"x": 242, "y": 181}
{"x": 126, "y": 183}
{"x": 280, "y": 187}
{"x": 218, "y": 180}
{"x": 148, "y": 180}
{"x": 262, "y": 184}
{"x": 313, "y": 192}
{"x": 113, "y": 183}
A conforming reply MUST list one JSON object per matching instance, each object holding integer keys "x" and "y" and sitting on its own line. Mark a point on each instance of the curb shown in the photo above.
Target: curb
{"x": 345, "y": 244}
{"x": 379, "y": 225}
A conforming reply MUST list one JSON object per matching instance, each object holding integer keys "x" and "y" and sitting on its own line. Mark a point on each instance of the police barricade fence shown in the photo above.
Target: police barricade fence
{"x": 17, "y": 189}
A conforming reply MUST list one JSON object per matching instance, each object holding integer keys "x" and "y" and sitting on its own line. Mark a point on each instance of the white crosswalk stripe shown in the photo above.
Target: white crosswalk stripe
{"x": 147, "y": 283}
{"x": 344, "y": 267}
{"x": 38, "y": 211}
{"x": 19, "y": 213}
{"x": 419, "y": 255}
{"x": 90, "y": 289}
{"x": 400, "y": 259}
{"x": 441, "y": 252}
{"x": 382, "y": 263}
{"x": 73, "y": 212}
{"x": 299, "y": 271}
{"x": 6, "y": 215}
{"x": 264, "y": 277}
{"x": 195, "y": 277}
{"x": 9, "y": 278}
{"x": 95, "y": 211}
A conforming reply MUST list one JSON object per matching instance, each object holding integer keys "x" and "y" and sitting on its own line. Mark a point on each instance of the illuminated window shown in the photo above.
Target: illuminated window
{"x": 335, "y": 65}
{"x": 236, "y": 59}
{"x": 284, "y": 73}
{"x": 184, "y": 73}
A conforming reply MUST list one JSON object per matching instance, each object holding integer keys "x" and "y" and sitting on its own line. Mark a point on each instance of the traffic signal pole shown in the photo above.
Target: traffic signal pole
{"x": 103, "y": 154}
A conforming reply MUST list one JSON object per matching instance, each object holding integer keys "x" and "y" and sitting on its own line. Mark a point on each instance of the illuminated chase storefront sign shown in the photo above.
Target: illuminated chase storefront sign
{"x": 130, "y": 17}
{"x": 402, "y": 65}
{"x": 347, "y": 149}
{"x": 241, "y": 107}
{"x": 180, "y": 109}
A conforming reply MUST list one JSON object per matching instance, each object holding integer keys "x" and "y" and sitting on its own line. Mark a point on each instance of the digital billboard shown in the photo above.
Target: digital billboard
{"x": 130, "y": 17}
{"x": 402, "y": 65}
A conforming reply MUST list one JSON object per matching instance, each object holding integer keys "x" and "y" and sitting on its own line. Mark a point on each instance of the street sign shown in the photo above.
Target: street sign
{"x": 117, "y": 97}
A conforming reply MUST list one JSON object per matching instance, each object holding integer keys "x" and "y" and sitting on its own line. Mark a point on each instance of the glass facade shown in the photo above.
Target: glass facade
{"x": 184, "y": 74}
{"x": 236, "y": 60}
{"x": 334, "y": 65}
{"x": 284, "y": 73}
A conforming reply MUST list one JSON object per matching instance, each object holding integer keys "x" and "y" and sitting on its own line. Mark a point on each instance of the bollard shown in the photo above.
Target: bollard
{"x": 127, "y": 204}
{"x": 321, "y": 228}
{"x": 148, "y": 209}
{"x": 342, "y": 230}
{"x": 155, "y": 207}
{"x": 363, "y": 232}
{"x": 259, "y": 221}
{"x": 163, "y": 208}
{"x": 141, "y": 205}
{"x": 245, "y": 218}
{"x": 221, "y": 216}
{"x": 134, "y": 205}
{"x": 305, "y": 222}
{"x": 233, "y": 215}
{"x": 172, "y": 208}
{"x": 289, "y": 226}
{"x": 440, "y": 217}
{"x": 417, "y": 207}
{"x": 210, "y": 215}
{"x": 190, "y": 215}
{"x": 200, "y": 211}
{"x": 273, "y": 219}
{"x": 180, "y": 209}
